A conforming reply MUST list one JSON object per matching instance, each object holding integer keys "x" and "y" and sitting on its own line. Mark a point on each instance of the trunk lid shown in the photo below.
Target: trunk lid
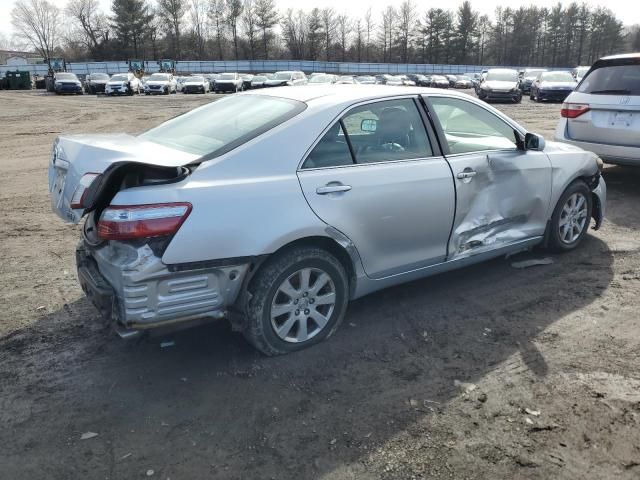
{"x": 612, "y": 90}
{"x": 76, "y": 155}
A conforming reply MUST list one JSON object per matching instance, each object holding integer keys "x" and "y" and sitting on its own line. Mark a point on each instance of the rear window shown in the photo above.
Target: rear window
{"x": 612, "y": 80}
{"x": 221, "y": 126}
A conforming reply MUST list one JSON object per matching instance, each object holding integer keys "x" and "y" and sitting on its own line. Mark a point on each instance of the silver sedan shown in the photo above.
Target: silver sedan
{"x": 276, "y": 209}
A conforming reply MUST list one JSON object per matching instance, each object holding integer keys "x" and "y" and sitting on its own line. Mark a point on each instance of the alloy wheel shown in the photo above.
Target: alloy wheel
{"x": 303, "y": 305}
{"x": 573, "y": 218}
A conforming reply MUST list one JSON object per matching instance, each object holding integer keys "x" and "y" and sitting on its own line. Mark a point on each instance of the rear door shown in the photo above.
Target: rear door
{"x": 375, "y": 176}
{"x": 503, "y": 193}
{"x": 612, "y": 91}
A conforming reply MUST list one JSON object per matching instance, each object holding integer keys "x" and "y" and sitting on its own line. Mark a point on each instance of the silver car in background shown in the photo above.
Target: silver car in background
{"x": 603, "y": 113}
{"x": 275, "y": 209}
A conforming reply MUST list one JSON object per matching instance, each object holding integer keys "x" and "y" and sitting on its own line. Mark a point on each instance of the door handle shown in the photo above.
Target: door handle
{"x": 335, "y": 188}
{"x": 466, "y": 174}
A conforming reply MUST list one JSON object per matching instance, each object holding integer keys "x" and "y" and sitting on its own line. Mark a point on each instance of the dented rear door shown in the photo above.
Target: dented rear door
{"x": 502, "y": 193}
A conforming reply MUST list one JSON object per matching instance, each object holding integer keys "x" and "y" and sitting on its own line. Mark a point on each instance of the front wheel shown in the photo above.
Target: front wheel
{"x": 298, "y": 299}
{"x": 571, "y": 217}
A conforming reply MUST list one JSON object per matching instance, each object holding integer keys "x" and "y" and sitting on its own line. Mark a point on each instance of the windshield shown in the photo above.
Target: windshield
{"x": 462, "y": 77}
{"x": 320, "y": 79}
{"x": 581, "y": 71}
{"x": 159, "y": 77}
{"x": 532, "y": 73}
{"x": 224, "y": 124}
{"x": 259, "y": 78}
{"x": 98, "y": 76}
{"x": 282, "y": 76}
{"x": 612, "y": 80}
{"x": 66, "y": 76}
{"x": 120, "y": 78}
{"x": 438, "y": 78}
{"x": 196, "y": 79}
{"x": 557, "y": 77}
{"x": 503, "y": 76}
{"x": 228, "y": 76}
{"x": 366, "y": 79}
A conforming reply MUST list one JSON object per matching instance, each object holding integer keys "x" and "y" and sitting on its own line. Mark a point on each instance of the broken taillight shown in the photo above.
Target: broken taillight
{"x": 130, "y": 222}
{"x": 77, "y": 201}
{"x": 573, "y": 110}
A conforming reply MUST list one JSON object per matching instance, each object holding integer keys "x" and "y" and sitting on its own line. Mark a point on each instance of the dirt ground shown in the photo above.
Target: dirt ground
{"x": 484, "y": 373}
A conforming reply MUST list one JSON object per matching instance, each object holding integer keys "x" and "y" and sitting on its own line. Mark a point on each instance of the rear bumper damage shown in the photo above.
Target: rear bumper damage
{"x": 131, "y": 286}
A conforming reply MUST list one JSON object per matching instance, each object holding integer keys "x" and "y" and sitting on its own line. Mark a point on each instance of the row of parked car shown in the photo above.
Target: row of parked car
{"x": 540, "y": 84}
{"x": 167, "y": 83}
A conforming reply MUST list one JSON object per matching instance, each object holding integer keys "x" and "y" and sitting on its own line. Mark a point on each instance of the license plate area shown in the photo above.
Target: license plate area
{"x": 621, "y": 119}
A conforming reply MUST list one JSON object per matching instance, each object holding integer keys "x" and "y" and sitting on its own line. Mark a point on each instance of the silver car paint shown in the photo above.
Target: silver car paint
{"x": 249, "y": 202}
{"x": 598, "y": 131}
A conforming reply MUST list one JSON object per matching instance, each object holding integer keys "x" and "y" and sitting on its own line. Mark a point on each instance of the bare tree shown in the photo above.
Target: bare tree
{"x": 329, "y": 29}
{"x": 37, "y": 22}
{"x": 369, "y": 26}
{"x": 199, "y": 24}
{"x": 217, "y": 13}
{"x": 91, "y": 20}
{"x": 234, "y": 10}
{"x": 406, "y": 28}
{"x": 266, "y": 18}
{"x": 249, "y": 25}
{"x": 344, "y": 29}
{"x": 172, "y": 11}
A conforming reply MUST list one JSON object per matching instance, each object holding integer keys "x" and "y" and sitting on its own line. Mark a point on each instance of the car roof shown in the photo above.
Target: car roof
{"x": 347, "y": 93}
{"x": 622, "y": 56}
{"x": 510, "y": 70}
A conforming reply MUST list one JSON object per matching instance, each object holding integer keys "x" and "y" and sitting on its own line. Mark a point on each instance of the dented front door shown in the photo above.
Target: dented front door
{"x": 502, "y": 197}
{"x": 502, "y": 191}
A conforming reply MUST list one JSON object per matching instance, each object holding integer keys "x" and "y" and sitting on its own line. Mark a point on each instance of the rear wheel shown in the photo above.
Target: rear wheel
{"x": 298, "y": 299}
{"x": 571, "y": 217}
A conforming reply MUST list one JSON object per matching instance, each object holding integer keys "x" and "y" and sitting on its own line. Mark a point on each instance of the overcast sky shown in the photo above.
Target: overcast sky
{"x": 624, "y": 9}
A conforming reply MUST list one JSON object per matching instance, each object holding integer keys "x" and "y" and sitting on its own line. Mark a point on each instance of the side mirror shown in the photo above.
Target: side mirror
{"x": 533, "y": 141}
{"x": 369, "y": 125}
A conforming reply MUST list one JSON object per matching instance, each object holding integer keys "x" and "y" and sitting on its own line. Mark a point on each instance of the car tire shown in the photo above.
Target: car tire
{"x": 531, "y": 95}
{"x": 569, "y": 224}
{"x": 518, "y": 98}
{"x": 286, "y": 271}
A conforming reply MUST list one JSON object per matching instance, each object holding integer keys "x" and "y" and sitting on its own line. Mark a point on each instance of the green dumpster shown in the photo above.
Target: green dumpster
{"x": 19, "y": 80}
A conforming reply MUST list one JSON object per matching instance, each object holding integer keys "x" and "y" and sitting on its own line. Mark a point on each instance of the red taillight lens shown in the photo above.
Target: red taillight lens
{"x": 573, "y": 110}
{"x": 77, "y": 201}
{"x": 130, "y": 222}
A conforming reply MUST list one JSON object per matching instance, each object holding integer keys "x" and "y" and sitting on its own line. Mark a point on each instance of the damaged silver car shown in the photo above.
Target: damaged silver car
{"x": 276, "y": 209}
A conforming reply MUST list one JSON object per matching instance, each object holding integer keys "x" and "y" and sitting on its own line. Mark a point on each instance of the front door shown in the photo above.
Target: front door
{"x": 503, "y": 192}
{"x": 374, "y": 177}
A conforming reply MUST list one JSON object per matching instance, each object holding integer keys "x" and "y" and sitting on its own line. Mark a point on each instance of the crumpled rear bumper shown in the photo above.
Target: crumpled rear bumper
{"x": 132, "y": 286}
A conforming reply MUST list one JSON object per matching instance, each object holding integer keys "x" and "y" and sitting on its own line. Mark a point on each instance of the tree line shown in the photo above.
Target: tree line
{"x": 564, "y": 35}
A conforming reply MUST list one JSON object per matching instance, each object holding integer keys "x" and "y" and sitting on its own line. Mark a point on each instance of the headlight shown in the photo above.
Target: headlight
{"x": 58, "y": 84}
{"x": 485, "y": 87}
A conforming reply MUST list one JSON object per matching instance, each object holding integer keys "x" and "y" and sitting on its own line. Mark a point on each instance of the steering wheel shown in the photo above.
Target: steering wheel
{"x": 392, "y": 147}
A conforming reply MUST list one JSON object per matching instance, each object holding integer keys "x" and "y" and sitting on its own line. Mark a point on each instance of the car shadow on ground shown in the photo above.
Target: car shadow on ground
{"x": 206, "y": 405}
{"x": 623, "y": 195}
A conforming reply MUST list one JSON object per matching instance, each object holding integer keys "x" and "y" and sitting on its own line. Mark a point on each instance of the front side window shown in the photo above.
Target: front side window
{"x": 470, "y": 128}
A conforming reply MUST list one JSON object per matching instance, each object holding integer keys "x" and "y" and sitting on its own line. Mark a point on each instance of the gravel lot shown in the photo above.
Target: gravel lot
{"x": 486, "y": 372}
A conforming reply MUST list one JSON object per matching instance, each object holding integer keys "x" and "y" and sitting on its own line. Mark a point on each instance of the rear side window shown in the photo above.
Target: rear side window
{"x": 377, "y": 132}
{"x": 331, "y": 151}
{"x": 612, "y": 80}
{"x": 386, "y": 131}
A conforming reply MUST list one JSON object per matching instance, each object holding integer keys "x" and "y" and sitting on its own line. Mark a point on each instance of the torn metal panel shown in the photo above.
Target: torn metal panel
{"x": 505, "y": 200}
{"x": 145, "y": 293}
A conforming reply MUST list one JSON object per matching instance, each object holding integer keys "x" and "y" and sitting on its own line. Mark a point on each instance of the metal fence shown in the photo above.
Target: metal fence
{"x": 256, "y": 66}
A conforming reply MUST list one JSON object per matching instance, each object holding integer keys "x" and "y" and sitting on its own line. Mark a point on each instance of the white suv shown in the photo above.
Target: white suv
{"x": 603, "y": 113}
{"x": 161, "y": 83}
